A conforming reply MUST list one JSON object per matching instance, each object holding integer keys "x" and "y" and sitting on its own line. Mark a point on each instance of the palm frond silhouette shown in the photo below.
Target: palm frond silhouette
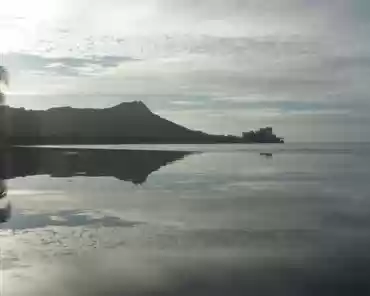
{"x": 4, "y": 75}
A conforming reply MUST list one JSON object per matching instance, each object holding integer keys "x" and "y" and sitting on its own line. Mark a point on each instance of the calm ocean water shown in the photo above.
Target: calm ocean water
{"x": 288, "y": 219}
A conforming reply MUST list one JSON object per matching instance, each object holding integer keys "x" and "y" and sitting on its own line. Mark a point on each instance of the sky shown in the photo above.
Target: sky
{"x": 224, "y": 66}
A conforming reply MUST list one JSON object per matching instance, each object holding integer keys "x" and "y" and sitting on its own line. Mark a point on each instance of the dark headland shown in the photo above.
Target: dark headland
{"x": 126, "y": 123}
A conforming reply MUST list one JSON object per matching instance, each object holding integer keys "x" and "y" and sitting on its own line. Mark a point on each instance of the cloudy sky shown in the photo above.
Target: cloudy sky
{"x": 302, "y": 66}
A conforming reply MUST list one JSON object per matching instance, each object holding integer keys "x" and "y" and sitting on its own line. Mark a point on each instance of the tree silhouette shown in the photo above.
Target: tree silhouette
{"x": 5, "y": 209}
{"x": 4, "y": 79}
{"x": 4, "y": 75}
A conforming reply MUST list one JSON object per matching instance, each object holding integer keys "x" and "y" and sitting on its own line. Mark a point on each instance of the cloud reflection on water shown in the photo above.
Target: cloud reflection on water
{"x": 67, "y": 218}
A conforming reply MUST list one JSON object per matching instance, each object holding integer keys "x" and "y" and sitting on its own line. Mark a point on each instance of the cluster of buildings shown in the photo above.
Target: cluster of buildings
{"x": 263, "y": 135}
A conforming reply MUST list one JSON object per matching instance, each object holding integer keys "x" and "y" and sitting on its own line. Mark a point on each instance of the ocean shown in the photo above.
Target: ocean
{"x": 290, "y": 219}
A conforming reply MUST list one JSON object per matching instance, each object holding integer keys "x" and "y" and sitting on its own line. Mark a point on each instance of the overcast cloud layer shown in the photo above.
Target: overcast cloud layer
{"x": 302, "y": 66}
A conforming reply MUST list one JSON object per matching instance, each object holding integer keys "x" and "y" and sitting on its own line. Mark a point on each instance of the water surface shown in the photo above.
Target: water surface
{"x": 187, "y": 220}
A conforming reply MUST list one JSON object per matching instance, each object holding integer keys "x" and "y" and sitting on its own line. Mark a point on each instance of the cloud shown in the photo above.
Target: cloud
{"x": 63, "y": 66}
{"x": 200, "y": 54}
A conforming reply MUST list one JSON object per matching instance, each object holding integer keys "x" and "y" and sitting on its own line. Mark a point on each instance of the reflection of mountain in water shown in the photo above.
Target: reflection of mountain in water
{"x": 128, "y": 165}
{"x": 5, "y": 211}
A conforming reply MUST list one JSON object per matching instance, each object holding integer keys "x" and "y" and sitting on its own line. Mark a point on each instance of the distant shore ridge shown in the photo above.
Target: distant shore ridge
{"x": 126, "y": 123}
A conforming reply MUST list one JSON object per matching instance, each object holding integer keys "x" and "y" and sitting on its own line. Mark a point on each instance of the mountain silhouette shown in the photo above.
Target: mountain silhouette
{"x": 128, "y": 165}
{"x": 129, "y": 122}
{"x": 125, "y": 123}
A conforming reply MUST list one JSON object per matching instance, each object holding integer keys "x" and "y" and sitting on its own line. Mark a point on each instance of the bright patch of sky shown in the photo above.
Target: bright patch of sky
{"x": 227, "y": 66}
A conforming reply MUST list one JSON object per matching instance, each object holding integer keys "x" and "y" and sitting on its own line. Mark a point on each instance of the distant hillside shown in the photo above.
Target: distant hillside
{"x": 129, "y": 122}
{"x": 125, "y": 123}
